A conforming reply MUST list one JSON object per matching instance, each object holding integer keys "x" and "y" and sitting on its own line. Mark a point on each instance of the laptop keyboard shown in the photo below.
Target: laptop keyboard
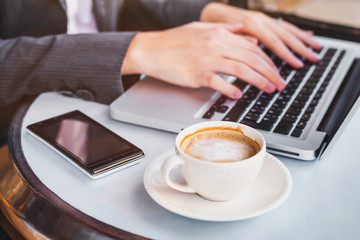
{"x": 285, "y": 112}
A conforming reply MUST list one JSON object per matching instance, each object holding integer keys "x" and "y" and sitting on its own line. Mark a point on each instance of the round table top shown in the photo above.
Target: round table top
{"x": 323, "y": 200}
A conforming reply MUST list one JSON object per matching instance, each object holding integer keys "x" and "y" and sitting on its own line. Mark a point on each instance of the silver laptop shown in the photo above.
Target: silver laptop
{"x": 299, "y": 122}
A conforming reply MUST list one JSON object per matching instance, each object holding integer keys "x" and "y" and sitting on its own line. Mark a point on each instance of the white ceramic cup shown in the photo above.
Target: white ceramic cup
{"x": 216, "y": 181}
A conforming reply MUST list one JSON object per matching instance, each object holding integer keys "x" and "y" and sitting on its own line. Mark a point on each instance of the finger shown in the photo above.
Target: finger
{"x": 251, "y": 39}
{"x": 276, "y": 45}
{"x": 267, "y": 58}
{"x": 247, "y": 74}
{"x": 239, "y": 42}
{"x": 234, "y": 28}
{"x": 217, "y": 83}
{"x": 257, "y": 63}
{"x": 303, "y": 35}
{"x": 297, "y": 45}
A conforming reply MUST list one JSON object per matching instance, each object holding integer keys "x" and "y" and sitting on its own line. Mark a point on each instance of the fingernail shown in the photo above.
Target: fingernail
{"x": 280, "y": 84}
{"x": 315, "y": 55}
{"x": 270, "y": 88}
{"x": 318, "y": 45}
{"x": 299, "y": 63}
{"x": 238, "y": 94}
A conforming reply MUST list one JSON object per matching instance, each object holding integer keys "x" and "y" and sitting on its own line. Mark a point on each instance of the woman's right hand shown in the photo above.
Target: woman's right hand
{"x": 192, "y": 55}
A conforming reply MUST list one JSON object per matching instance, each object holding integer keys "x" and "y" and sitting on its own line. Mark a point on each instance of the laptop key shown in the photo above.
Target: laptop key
{"x": 318, "y": 73}
{"x": 302, "y": 97}
{"x": 257, "y": 109}
{"x": 322, "y": 89}
{"x": 267, "y": 96}
{"x": 277, "y": 61}
{"x": 240, "y": 84}
{"x": 301, "y": 124}
{"x": 298, "y": 104}
{"x": 310, "y": 109}
{"x": 209, "y": 114}
{"x": 262, "y": 103}
{"x": 254, "y": 90}
{"x": 288, "y": 90}
{"x": 313, "y": 79}
{"x": 222, "y": 99}
{"x": 297, "y": 132}
{"x": 249, "y": 95}
{"x": 268, "y": 52}
{"x": 222, "y": 109}
{"x": 300, "y": 74}
{"x": 262, "y": 125}
{"x": 235, "y": 113}
{"x": 248, "y": 123}
{"x": 286, "y": 69}
{"x": 314, "y": 102}
{"x": 269, "y": 118}
{"x": 289, "y": 118}
{"x": 217, "y": 107}
{"x": 279, "y": 104}
{"x": 252, "y": 116}
{"x": 275, "y": 111}
{"x": 283, "y": 127}
{"x": 310, "y": 85}
{"x": 294, "y": 111}
{"x": 293, "y": 84}
{"x": 306, "y": 91}
{"x": 284, "y": 97}
{"x": 267, "y": 126}
{"x": 306, "y": 117}
{"x": 317, "y": 95}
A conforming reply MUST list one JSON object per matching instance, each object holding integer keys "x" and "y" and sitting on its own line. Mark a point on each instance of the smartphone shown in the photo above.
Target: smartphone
{"x": 87, "y": 144}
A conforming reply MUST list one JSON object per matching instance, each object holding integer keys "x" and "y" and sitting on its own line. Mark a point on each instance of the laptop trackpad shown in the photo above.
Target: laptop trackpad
{"x": 161, "y": 100}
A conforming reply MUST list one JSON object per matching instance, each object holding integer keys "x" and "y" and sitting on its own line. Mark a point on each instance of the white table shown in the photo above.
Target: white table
{"x": 323, "y": 204}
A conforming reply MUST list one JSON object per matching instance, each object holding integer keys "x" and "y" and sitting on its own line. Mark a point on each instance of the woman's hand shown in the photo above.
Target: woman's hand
{"x": 191, "y": 55}
{"x": 276, "y": 35}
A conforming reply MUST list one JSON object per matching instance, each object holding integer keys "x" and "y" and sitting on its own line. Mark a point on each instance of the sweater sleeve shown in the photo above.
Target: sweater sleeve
{"x": 159, "y": 14}
{"x": 29, "y": 66}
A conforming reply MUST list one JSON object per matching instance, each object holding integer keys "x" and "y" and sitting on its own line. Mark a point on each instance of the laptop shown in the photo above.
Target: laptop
{"x": 300, "y": 122}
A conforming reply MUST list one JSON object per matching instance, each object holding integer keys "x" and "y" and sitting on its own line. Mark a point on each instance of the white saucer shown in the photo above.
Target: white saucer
{"x": 271, "y": 188}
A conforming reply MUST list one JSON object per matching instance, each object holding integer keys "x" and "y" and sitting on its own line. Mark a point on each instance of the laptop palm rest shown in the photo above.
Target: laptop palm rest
{"x": 142, "y": 102}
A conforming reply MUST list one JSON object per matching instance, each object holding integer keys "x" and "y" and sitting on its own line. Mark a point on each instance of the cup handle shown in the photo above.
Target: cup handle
{"x": 166, "y": 168}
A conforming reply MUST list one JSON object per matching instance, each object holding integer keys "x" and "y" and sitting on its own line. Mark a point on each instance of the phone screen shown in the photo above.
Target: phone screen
{"x": 85, "y": 141}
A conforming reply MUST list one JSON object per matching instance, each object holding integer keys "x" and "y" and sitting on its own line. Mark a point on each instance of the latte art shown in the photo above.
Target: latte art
{"x": 219, "y": 145}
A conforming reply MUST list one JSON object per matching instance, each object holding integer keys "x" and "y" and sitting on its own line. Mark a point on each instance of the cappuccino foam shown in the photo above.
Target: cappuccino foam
{"x": 219, "y": 145}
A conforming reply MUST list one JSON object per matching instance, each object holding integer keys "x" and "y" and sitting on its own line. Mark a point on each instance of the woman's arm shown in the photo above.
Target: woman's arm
{"x": 91, "y": 62}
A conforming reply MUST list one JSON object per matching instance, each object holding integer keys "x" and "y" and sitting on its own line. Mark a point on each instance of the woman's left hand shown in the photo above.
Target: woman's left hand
{"x": 277, "y": 35}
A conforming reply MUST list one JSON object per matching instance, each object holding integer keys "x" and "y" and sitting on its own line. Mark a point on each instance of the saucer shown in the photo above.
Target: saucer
{"x": 270, "y": 190}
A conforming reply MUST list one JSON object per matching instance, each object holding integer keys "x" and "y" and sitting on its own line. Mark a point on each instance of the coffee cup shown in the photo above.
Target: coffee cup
{"x": 218, "y": 160}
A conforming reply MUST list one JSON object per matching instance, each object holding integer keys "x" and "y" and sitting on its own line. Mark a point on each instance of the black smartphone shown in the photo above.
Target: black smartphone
{"x": 87, "y": 144}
